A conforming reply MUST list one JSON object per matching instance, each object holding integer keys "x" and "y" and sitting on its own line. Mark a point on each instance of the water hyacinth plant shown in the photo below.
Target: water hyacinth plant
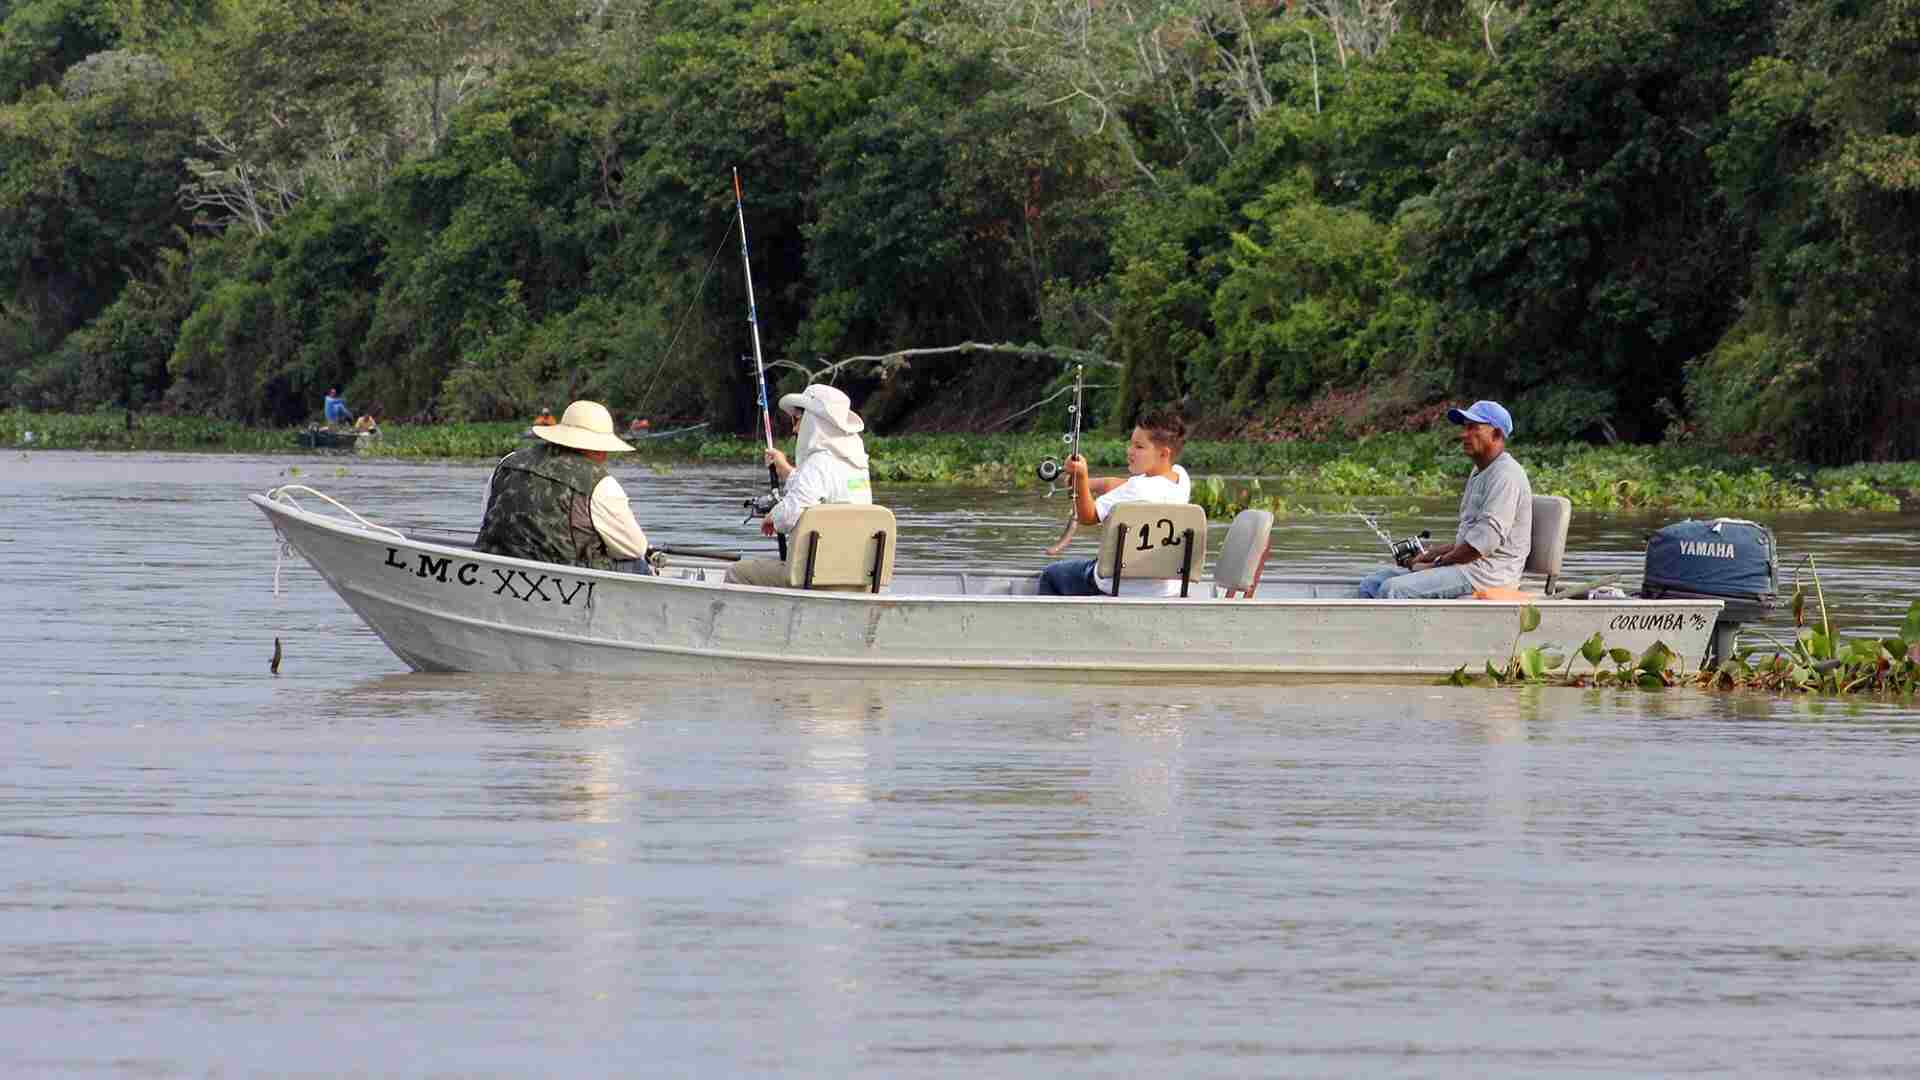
{"x": 1821, "y": 661}
{"x": 1653, "y": 669}
{"x": 1231, "y": 475}
{"x": 1818, "y": 661}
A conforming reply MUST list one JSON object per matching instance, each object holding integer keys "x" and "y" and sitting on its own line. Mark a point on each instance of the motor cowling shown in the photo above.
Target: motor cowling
{"x": 1726, "y": 559}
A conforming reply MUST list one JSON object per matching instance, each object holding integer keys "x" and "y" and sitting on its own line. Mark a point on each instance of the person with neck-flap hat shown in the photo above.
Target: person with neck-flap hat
{"x": 829, "y": 466}
{"x": 554, "y": 501}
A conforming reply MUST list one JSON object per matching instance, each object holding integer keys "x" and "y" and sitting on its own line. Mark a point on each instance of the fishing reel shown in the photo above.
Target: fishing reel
{"x": 1050, "y": 469}
{"x": 760, "y": 505}
{"x": 1405, "y": 551}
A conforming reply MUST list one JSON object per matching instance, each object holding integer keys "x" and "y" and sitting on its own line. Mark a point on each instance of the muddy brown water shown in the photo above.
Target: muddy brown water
{"x": 352, "y": 869}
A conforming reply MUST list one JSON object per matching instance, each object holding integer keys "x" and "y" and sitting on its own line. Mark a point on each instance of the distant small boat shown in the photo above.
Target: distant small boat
{"x": 316, "y": 438}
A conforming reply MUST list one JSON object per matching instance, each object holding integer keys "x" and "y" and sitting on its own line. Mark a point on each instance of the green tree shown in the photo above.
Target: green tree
{"x": 1302, "y": 286}
{"x": 279, "y": 318}
{"x": 88, "y": 186}
{"x": 498, "y": 232}
{"x": 1169, "y": 257}
{"x": 1822, "y": 156}
{"x": 41, "y": 39}
{"x": 119, "y": 359}
{"x": 1577, "y": 238}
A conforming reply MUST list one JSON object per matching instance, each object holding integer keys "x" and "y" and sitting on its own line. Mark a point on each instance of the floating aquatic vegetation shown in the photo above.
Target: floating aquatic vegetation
{"x": 1817, "y": 661}
{"x": 1425, "y": 464}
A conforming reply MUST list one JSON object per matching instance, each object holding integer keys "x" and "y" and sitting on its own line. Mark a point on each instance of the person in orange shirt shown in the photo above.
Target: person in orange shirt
{"x": 545, "y": 419}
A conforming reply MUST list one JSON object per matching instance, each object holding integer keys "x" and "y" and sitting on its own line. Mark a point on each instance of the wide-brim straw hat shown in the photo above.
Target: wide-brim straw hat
{"x": 830, "y": 405}
{"x": 586, "y": 425}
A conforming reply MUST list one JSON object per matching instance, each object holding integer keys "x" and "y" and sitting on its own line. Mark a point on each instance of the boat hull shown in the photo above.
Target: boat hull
{"x": 447, "y": 608}
{"x": 320, "y": 439}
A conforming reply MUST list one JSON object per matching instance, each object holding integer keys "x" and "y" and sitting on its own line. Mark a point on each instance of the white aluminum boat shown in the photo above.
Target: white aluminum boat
{"x": 440, "y": 606}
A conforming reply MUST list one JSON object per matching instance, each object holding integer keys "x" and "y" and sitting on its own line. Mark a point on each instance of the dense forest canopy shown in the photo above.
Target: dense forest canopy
{"x": 1640, "y": 219}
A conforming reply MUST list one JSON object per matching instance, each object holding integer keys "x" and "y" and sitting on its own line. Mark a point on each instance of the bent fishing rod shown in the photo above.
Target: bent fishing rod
{"x": 1049, "y": 469}
{"x": 759, "y": 372}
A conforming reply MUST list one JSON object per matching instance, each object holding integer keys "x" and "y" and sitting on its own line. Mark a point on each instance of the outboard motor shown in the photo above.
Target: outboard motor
{"x": 1725, "y": 559}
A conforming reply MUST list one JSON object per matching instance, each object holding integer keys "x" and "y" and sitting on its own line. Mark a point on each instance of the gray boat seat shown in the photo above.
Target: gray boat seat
{"x": 843, "y": 547}
{"x": 1243, "y": 554}
{"x": 1551, "y": 515}
{"x": 1153, "y": 542}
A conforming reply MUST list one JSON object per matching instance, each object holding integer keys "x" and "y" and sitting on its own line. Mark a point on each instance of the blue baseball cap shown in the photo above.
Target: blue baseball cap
{"x": 1485, "y": 412}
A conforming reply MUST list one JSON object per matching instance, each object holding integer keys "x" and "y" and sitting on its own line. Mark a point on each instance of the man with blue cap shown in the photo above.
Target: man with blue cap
{"x": 1489, "y": 549}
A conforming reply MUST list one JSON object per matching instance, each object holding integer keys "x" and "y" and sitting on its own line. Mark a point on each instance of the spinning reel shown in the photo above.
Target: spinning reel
{"x": 1403, "y": 551}
{"x": 759, "y": 505}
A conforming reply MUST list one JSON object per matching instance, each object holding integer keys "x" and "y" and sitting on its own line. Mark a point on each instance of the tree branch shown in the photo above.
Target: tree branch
{"x": 886, "y": 365}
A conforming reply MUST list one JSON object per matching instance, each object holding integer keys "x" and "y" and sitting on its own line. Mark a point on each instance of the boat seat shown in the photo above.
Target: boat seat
{"x": 1243, "y": 554}
{"x": 1153, "y": 542}
{"x": 1551, "y": 515}
{"x": 842, "y": 546}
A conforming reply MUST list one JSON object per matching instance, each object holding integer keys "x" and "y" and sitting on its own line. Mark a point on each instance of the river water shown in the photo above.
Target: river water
{"x": 351, "y": 869}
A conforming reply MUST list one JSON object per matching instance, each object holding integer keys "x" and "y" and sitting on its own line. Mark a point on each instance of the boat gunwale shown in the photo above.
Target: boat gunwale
{"x": 342, "y": 525}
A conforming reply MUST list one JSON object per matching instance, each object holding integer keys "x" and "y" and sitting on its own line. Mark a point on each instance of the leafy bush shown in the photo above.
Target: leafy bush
{"x": 1561, "y": 412}
{"x": 1301, "y": 287}
{"x": 1747, "y": 393}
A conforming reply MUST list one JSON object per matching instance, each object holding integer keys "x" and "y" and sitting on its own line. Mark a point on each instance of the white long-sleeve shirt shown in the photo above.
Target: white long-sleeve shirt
{"x": 822, "y": 478}
{"x": 613, "y": 519}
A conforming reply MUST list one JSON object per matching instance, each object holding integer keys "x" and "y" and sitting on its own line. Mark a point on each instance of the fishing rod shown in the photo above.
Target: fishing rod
{"x": 1403, "y": 551}
{"x": 1049, "y": 470}
{"x": 693, "y": 553}
{"x": 759, "y": 372}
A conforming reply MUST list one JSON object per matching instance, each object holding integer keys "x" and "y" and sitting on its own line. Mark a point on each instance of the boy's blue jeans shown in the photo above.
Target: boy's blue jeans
{"x": 1436, "y": 583}
{"x": 1068, "y": 577}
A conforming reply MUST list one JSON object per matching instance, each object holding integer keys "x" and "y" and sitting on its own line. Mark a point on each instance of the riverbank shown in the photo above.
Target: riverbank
{"x": 1277, "y": 475}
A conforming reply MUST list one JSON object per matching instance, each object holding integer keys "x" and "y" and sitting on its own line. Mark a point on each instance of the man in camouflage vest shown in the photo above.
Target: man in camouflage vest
{"x": 555, "y": 502}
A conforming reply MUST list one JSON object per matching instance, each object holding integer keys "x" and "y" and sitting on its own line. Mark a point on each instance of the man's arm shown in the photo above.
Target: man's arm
{"x": 1083, "y": 509}
{"x": 613, "y": 520}
{"x": 1451, "y": 555}
{"x": 806, "y": 486}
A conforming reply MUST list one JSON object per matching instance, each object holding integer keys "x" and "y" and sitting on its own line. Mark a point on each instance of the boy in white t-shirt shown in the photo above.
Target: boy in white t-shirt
{"x": 1153, "y": 477}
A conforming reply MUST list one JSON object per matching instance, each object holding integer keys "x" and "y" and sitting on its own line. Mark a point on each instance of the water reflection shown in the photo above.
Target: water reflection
{"x": 828, "y": 782}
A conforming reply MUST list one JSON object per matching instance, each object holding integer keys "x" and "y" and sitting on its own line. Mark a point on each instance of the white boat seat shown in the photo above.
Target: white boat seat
{"x": 1153, "y": 542}
{"x": 1243, "y": 554}
{"x": 1551, "y": 515}
{"x": 842, "y": 546}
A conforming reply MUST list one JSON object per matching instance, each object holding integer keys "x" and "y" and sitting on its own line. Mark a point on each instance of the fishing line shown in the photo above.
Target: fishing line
{"x": 647, "y": 394}
{"x": 774, "y": 490}
{"x": 1062, "y": 392}
{"x": 1403, "y": 551}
